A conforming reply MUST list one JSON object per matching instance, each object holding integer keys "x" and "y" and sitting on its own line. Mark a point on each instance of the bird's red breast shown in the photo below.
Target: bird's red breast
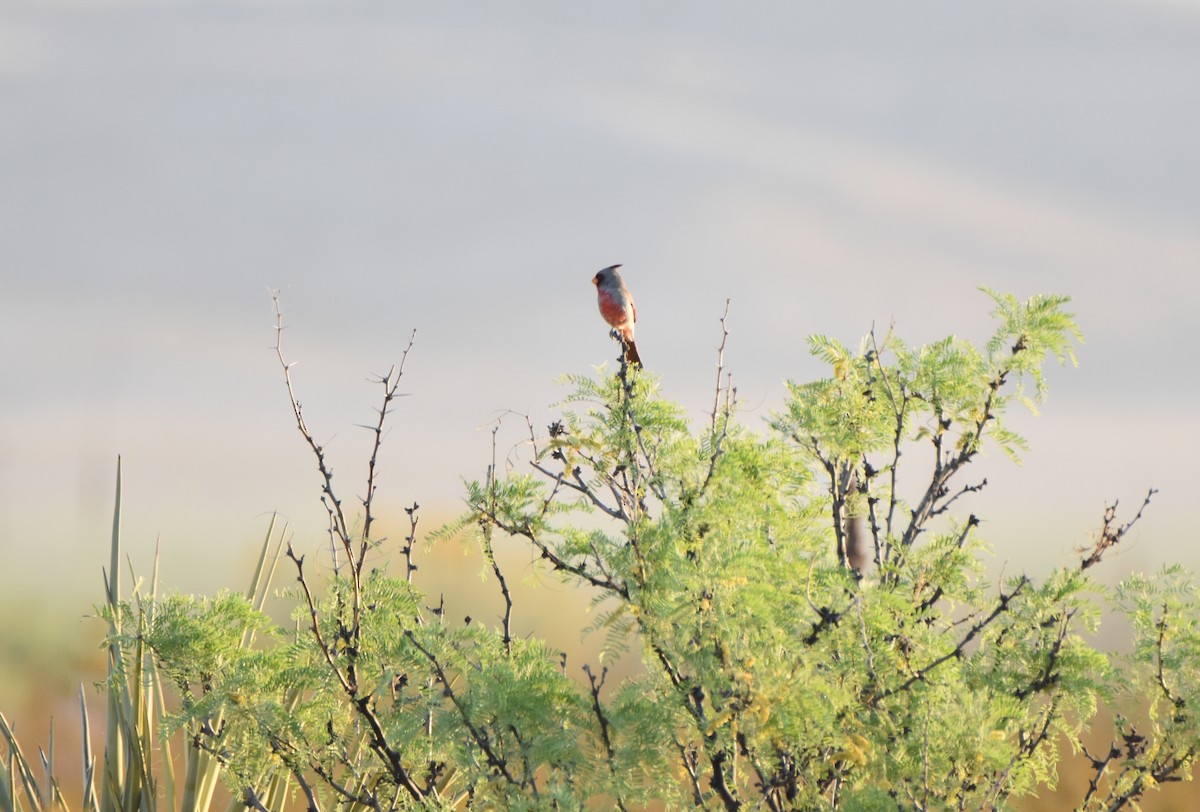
{"x": 617, "y": 311}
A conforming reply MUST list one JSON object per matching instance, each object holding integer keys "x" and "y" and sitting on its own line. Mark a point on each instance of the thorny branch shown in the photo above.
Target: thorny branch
{"x": 921, "y": 674}
{"x": 937, "y": 496}
{"x": 307, "y": 789}
{"x": 946, "y": 465}
{"x": 479, "y": 736}
{"x": 576, "y": 483}
{"x": 314, "y": 623}
{"x": 1099, "y": 768}
{"x": 339, "y": 526}
{"x": 363, "y": 704}
{"x": 410, "y": 542}
{"x": 348, "y": 634}
{"x": 1111, "y": 533}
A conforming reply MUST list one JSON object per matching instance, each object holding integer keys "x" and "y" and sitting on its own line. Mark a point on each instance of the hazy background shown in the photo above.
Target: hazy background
{"x": 463, "y": 170}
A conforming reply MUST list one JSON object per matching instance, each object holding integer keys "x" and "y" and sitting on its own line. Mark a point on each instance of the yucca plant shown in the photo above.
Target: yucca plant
{"x": 138, "y": 768}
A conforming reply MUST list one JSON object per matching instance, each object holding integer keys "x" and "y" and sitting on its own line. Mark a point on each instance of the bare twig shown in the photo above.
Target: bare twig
{"x": 390, "y": 382}
{"x": 965, "y": 489}
{"x": 339, "y": 528}
{"x": 720, "y": 367}
{"x": 490, "y": 553}
{"x": 724, "y": 411}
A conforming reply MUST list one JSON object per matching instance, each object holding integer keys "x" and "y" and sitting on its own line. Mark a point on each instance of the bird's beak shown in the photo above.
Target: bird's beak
{"x": 596, "y": 280}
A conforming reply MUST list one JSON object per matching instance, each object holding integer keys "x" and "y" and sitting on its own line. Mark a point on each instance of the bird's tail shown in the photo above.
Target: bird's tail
{"x": 631, "y": 353}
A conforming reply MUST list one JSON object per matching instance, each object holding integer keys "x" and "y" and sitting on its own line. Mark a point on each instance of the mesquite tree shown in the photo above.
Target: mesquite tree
{"x": 809, "y": 604}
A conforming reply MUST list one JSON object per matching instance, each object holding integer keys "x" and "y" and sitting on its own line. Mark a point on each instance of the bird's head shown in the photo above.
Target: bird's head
{"x": 606, "y": 276}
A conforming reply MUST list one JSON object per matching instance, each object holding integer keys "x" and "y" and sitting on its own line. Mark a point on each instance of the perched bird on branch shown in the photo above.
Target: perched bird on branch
{"x": 618, "y": 309}
{"x": 858, "y": 540}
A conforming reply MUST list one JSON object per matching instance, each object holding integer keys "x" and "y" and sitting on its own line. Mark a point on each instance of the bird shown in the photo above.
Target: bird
{"x": 618, "y": 309}
{"x": 858, "y": 543}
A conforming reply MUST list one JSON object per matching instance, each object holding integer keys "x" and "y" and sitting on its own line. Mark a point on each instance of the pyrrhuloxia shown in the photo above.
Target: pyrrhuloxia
{"x": 618, "y": 309}
{"x": 858, "y": 539}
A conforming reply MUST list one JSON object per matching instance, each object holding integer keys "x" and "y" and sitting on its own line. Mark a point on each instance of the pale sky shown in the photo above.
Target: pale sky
{"x": 463, "y": 170}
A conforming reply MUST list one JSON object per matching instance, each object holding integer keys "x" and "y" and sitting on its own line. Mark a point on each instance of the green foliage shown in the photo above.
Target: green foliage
{"x": 782, "y": 669}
